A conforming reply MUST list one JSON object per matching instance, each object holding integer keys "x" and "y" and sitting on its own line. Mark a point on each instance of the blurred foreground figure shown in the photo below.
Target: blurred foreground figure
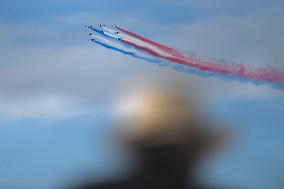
{"x": 164, "y": 132}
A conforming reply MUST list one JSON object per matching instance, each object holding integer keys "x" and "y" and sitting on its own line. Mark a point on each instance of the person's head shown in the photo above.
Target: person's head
{"x": 166, "y": 124}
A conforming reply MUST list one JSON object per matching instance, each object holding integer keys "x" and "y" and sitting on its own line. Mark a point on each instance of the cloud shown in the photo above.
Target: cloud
{"x": 45, "y": 106}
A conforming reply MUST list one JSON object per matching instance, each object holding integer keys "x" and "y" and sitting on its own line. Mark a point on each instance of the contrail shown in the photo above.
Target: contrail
{"x": 162, "y": 47}
{"x": 148, "y": 59}
{"x": 233, "y": 70}
{"x": 161, "y": 54}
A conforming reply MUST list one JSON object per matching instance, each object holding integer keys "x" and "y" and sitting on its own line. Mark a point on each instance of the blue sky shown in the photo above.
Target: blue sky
{"x": 57, "y": 90}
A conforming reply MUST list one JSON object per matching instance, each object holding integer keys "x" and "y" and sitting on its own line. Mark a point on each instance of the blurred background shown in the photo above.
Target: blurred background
{"x": 58, "y": 91}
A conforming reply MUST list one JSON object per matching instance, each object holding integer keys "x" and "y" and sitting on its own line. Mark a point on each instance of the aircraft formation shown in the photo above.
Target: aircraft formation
{"x": 139, "y": 47}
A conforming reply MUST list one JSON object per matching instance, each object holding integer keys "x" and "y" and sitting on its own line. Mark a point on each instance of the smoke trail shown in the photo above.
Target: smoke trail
{"x": 148, "y": 59}
{"x": 185, "y": 68}
{"x": 115, "y": 36}
{"x": 177, "y": 67}
{"x": 111, "y": 43}
{"x": 107, "y": 35}
{"x": 117, "y": 41}
{"x": 233, "y": 70}
{"x": 237, "y": 70}
{"x": 191, "y": 64}
{"x": 162, "y": 47}
{"x": 109, "y": 30}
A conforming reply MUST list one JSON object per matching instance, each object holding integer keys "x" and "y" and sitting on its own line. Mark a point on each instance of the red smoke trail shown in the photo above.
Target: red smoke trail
{"x": 162, "y": 47}
{"x": 236, "y": 70}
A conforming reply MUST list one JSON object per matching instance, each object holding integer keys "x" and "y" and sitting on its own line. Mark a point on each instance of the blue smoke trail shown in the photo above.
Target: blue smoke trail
{"x": 151, "y": 60}
{"x": 117, "y": 41}
{"x": 99, "y": 31}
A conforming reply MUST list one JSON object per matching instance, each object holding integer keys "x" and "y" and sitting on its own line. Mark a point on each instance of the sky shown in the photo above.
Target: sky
{"x": 57, "y": 89}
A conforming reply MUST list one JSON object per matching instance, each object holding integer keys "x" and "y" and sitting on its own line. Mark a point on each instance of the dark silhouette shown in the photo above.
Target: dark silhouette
{"x": 169, "y": 166}
{"x": 168, "y": 141}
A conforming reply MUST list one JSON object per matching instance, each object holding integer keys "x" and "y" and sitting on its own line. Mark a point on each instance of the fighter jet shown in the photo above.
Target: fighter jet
{"x": 114, "y": 36}
{"x": 101, "y": 25}
{"x": 105, "y": 28}
{"x": 106, "y": 32}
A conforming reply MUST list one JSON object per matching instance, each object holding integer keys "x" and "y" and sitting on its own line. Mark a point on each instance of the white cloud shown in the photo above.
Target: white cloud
{"x": 47, "y": 106}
